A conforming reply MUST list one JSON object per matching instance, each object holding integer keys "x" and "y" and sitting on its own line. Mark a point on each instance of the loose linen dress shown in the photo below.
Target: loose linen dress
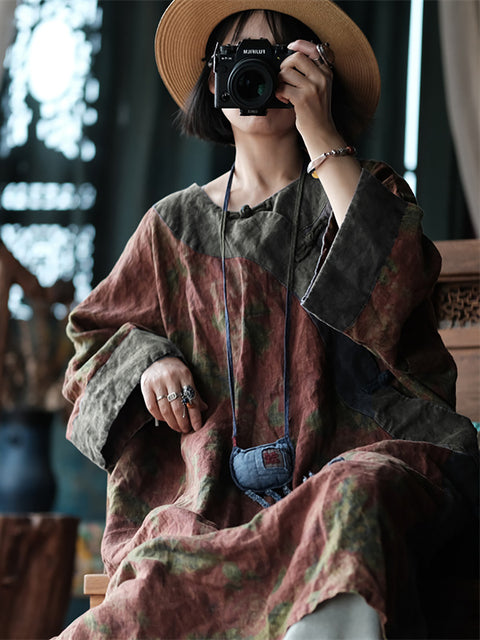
{"x": 382, "y": 459}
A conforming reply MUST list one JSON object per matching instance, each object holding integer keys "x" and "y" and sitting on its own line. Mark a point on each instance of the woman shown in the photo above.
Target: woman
{"x": 260, "y": 373}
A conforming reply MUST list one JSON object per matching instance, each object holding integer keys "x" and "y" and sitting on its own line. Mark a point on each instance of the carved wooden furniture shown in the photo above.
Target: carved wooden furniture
{"x": 33, "y": 353}
{"x": 457, "y": 302}
{"x": 12, "y": 272}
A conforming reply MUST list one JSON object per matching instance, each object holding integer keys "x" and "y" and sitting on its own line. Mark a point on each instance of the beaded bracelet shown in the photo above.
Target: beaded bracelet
{"x": 344, "y": 151}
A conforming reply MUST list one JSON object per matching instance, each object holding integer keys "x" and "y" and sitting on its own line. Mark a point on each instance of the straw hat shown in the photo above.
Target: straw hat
{"x": 186, "y": 25}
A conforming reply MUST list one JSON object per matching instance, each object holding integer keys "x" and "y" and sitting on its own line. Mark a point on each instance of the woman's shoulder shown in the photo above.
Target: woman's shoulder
{"x": 177, "y": 200}
{"x": 181, "y": 208}
{"x": 187, "y": 216}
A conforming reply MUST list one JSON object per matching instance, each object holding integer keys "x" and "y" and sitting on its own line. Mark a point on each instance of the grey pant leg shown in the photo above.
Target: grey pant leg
{"x": 345, "y": 617}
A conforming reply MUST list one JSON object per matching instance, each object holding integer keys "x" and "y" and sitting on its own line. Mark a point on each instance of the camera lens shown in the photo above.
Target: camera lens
{"x": 251, "y": 84}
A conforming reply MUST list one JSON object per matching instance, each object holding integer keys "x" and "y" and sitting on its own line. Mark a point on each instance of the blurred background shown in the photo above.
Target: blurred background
{"x": 88, "y": 143}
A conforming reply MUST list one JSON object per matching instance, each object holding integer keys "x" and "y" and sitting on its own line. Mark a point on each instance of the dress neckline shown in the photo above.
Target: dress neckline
{"x": 266, "y": 204}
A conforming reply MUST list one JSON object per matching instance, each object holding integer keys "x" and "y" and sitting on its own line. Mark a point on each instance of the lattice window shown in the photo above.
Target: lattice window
{"x": 49, "y": 108}
{"x": 50, "y": 61}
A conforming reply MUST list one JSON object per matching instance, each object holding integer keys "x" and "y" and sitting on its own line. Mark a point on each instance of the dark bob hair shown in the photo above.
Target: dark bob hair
{"x": 202, "y": 120}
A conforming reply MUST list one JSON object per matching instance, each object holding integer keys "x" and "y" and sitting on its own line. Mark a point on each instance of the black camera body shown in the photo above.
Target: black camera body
{"x": 246, "y": 76}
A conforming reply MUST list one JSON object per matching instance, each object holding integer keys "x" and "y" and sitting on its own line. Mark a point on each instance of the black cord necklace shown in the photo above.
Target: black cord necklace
{"x": 265, "y": 469}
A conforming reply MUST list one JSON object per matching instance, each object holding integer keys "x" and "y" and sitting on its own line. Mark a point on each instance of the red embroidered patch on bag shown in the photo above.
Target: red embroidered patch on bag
{"x": 272, "y": 459}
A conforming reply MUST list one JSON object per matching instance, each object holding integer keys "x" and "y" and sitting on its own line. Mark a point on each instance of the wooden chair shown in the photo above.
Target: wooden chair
{"x": 95, "y": 586}
{"x": 457, "y": 302}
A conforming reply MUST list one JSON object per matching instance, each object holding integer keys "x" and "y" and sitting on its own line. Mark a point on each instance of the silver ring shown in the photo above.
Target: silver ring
{"x": 161, "y": 397}
{"x": 173, "y": 396}
{"x": 326, "y": 55}
{"x": 188, "y": 395}
{"x": 320, "y": 58}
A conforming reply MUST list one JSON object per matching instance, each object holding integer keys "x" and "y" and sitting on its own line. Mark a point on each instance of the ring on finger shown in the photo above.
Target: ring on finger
{"x": 188, "y": 396}
{"x": 161, "y": 397}
{"x": 325, "y": 54}
{"x": 173, "y": 396}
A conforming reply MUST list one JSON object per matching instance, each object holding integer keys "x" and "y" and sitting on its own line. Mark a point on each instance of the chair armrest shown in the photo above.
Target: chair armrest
{"x": 95, "y": 586}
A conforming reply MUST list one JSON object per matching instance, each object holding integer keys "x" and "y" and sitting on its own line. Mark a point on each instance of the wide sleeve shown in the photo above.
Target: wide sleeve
{"x": 375, "y": 282}
{"x": 117, "y": 333}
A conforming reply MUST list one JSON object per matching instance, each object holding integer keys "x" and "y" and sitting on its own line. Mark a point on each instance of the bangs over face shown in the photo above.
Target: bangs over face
{"x": 202, "y": 120}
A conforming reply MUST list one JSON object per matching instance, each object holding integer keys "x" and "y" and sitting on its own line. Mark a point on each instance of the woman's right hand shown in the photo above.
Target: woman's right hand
{"x": 166, "y": 376}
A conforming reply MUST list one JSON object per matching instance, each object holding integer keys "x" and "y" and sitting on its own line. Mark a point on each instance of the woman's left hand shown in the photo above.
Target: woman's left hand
{"x": 306, "y": 82}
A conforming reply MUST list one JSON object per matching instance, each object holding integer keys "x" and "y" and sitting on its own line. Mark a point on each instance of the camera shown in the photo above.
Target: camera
{"x": 246, "y": 76}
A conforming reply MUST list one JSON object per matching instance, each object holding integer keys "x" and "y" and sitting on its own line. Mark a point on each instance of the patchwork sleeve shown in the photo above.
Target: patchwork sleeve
{"x": 102, "y": 380}
{"x": 375, "y": 283}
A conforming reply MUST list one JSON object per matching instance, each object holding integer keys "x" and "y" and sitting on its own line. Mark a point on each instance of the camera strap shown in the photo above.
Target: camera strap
{"x": 265, "y": 469}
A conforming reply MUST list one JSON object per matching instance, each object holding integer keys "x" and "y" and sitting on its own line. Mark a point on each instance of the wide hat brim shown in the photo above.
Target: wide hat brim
{"x": 186, "y": 25}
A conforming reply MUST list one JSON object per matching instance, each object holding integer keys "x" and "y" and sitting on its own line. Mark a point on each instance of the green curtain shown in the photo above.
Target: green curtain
{"x": 143, "y": 157}
{"x": 386, "y": 24}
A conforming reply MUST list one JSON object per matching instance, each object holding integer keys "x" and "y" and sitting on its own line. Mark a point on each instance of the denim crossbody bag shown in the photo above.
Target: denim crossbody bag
{"x": 264, "y": 470}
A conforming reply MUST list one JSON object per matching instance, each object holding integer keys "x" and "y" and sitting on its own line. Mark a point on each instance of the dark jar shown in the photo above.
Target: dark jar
{"x": 27, "y": 483}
